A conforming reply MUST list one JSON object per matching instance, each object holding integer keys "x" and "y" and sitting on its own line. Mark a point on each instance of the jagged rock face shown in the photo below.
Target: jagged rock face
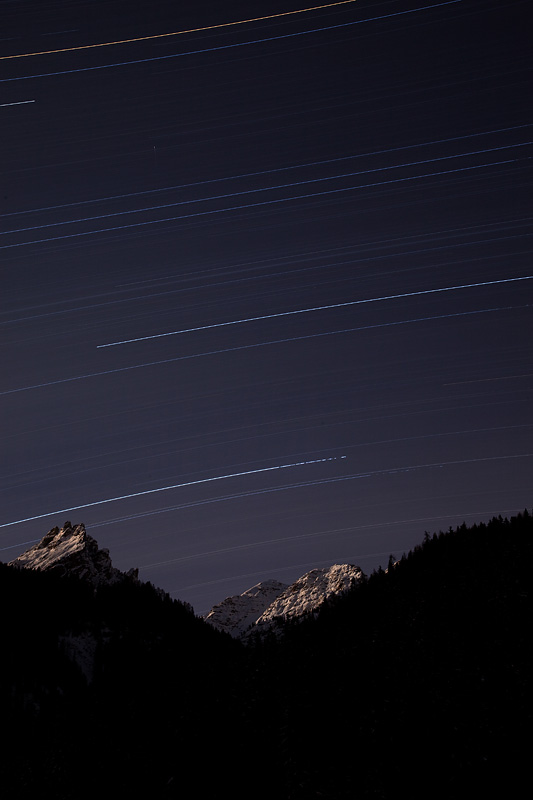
{"x": 269, "y": 604}
{"x": 71, "y": 551}
{"x": 309, "y": 592}
{"x": 235, "y": 615}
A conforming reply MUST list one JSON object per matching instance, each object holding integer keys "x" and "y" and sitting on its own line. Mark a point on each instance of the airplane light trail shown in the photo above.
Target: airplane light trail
{"x": 258, "y": 344}
{"x": 174, "y": 486}
{"x": 319, "y": 308}
{"x": 226, "y": 46}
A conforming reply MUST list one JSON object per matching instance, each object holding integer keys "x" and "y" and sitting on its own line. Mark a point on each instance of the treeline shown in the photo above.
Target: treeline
{"x": 416, "y": 681}
{"x": 420, "y": 676}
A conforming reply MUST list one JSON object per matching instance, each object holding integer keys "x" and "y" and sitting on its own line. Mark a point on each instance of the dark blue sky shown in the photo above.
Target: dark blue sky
{"x": 348, "y": 188}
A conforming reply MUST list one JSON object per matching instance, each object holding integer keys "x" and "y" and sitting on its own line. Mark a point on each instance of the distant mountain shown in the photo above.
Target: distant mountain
{"x": 71, "y": 551}
{"x": 235, "y": 615}
{"x": 270, "y": 604}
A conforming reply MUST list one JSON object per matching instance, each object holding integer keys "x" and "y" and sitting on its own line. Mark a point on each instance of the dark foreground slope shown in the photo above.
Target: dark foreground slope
{"x": 415, "y": 682}
{"x": 113, "y": 691}
{"x": 418, "y": 681}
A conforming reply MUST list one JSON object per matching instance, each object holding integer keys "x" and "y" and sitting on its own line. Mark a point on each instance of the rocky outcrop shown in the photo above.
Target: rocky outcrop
{"x": 309, "y": 592}
{"x": 71, "y": 551}
{"x": 268, "y": 605}
{"x": 236, "y": 614}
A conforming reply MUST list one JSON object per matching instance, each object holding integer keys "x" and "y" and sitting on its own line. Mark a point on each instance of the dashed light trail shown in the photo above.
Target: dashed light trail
{"x": 168, "y": 488}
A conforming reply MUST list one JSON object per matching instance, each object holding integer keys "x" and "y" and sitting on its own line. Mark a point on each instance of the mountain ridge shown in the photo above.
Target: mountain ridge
{"x": 269, "y": 605}
{"x": 421, "y": 672}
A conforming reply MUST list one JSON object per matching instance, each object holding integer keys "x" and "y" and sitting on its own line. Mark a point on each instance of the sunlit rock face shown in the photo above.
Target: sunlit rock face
{"x": 311, "y": 590}
{"x": 235, "y": 615}
{"x": 71, "y": 551}
{"x": 268, "y": 605}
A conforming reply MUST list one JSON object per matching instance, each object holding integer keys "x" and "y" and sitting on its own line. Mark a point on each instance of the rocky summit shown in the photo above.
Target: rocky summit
{"x": 235, "y": 615}
{"x": 268, "y": 605}
{"x": 71, "y": 551}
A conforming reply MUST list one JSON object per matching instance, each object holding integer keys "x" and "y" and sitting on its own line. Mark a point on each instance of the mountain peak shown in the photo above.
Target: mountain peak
{"x": 236, "y": 614}
{"x": 71, "y": 551}
{"x": 310, "y": 591}
{"x": 264, "y": 606}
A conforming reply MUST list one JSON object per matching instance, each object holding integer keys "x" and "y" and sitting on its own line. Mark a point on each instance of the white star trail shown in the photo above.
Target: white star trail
{"x": 168, "y": 488}
{"x": 366, "y": 474}
{"x": 242, "y": 193}
{"x": 17, "y": 103}
{"x": 266, "y": 279}
{"x": 487, "y": 380}
{"x": 258, "y": 344}
{"x": 262, "y": 203}
{"x": 74, "y": 309}
{"x": 196, "y": 448}
{"x": 267, "y": 171}
{"x": 306, "y": 564}
{"x": 302, "y": 536}
{"x": 321, "y": 308}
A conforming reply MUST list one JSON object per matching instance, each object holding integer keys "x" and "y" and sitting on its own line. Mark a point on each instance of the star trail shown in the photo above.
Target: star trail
{"x": 203, "y": 51}
{"x": 166, "y": 489}
{"x": 322, "y": 308}
{"x": 266, "y": 281}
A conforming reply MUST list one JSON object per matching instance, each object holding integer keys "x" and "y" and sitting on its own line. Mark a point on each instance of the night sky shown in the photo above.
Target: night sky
{"x": 316, "y": 230}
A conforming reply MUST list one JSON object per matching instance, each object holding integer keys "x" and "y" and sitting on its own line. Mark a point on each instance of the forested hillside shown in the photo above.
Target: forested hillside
{"x": 420, "y": 676}
{"x": 417, "y": 680}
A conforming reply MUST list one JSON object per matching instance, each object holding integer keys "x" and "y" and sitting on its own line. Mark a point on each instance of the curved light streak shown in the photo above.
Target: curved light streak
{"x": 227, "y": 46}
{"x": 174, "y": 33}
{"x": 168, "y": 488}
{"x": 367, "y": 474}
{"x": 282, "y": 540}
